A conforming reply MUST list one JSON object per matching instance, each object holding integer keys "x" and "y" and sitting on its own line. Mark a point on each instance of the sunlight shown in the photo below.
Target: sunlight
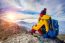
{"x": 10, "y": 17}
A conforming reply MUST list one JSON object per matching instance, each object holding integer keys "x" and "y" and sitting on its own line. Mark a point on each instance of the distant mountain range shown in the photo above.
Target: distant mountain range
{"x": 26, "y": 24}
{"x": 29, "y": 25}
{"x": 61, "y": 27}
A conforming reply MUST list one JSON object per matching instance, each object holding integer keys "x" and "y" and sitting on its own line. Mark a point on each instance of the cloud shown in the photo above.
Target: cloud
{"x": 55, "y": 8}
{"x": 28, "y": 12}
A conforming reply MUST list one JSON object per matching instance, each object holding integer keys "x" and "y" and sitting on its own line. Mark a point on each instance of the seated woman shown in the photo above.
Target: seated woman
{"x": 43, "y": 22}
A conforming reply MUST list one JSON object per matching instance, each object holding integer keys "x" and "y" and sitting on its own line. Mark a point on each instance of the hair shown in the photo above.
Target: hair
{"x": 43, "y": 11}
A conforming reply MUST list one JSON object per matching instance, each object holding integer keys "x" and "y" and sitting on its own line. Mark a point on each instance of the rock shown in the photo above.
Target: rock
{"x": 12, "y": 33}
{"x": 21, "y": 38}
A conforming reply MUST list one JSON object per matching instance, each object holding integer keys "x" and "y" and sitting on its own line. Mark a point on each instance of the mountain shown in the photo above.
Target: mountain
{"x": 61, "y": 27}
{"x": 26, "y": 24}
{"x": 8, "y": 28}
{"x": 29, "y": 25}
{"x": 15, "y": 33}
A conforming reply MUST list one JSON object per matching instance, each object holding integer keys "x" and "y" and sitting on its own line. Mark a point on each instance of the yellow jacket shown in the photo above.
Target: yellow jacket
{"x": 43, "y": 21}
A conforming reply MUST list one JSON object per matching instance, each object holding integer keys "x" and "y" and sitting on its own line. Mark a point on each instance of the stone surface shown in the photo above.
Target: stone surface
{"x": 12, "y": 33}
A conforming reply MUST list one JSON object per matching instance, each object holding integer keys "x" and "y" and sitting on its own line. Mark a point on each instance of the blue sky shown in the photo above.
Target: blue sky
{"x": 32, "y": 8}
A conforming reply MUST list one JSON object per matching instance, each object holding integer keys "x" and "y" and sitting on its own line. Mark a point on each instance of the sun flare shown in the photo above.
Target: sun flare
{"x": 10, "y": 17}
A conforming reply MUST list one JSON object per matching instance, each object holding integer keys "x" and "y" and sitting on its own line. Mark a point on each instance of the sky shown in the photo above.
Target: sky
{"x": 28, "y": 10}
